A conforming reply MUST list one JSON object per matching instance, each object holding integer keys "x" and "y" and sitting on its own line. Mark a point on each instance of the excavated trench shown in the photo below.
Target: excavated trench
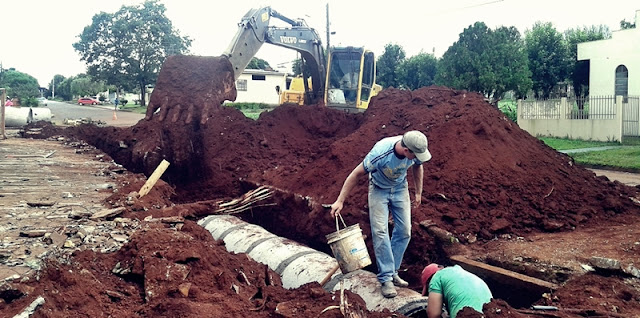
{"x": 487, "y": 176}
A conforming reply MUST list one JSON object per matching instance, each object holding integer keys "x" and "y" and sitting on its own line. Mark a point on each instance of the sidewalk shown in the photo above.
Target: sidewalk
{"x": 569, "y": 151}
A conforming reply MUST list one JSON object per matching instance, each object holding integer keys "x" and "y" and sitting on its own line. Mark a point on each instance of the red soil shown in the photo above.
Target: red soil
{"x": 487, "y": 178}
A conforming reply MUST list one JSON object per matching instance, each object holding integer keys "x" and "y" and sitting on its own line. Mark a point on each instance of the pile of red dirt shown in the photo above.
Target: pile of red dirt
{"x": 487, "y": 177}
{"x": 173, "y": 270}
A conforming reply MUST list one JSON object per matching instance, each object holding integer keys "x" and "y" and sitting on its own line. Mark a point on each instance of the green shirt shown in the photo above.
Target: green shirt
{"x": 460, "y": 289}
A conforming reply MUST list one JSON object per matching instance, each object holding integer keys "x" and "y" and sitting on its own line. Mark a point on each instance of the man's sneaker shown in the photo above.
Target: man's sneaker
{"x": 388, "y": 290}
{"x": 399, "y": 281}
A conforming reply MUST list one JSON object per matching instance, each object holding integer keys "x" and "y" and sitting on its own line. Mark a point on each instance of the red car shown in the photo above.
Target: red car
{"x": 87, "y": 101}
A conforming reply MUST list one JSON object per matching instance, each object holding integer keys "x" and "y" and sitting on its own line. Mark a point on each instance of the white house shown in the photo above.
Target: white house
{"x": 260, "y": 86}
{"x": 614, "y": 63}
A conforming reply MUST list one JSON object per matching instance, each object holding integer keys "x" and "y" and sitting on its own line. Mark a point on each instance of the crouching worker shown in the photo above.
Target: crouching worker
{"x": 455, "y": 288}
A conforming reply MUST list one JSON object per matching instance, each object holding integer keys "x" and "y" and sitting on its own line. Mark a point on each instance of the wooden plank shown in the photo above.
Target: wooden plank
{"x": 503, "y": 276}
{"x": 155, "y": 176}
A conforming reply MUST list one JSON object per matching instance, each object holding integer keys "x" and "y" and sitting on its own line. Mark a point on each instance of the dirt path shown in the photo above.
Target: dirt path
{"x": 628, "y": 178}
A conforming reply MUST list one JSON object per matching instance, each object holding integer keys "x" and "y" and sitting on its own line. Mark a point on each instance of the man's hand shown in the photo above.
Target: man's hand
{"x": 189, "y": 87}
{"x": 417, "y": 201}
{"x": 336, "y": 207}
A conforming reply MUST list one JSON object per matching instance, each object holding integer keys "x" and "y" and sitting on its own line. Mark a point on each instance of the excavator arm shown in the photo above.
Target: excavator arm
{"x": 254, "y": 30}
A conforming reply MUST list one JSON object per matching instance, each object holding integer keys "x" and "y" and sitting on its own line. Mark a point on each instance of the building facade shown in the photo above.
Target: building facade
{"x": 260, "y": 86}
{"x": 614, "y": 63}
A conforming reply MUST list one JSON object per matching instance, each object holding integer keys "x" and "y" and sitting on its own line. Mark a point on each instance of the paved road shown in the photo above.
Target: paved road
{"x": 61, "y": 110}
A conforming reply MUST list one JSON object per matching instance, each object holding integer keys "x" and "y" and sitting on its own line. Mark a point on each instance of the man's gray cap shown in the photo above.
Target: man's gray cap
{"x": 417, "y": 142}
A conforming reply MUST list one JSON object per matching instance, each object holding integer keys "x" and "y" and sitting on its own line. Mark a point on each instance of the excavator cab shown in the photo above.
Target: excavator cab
{"x": 350, "y": 79}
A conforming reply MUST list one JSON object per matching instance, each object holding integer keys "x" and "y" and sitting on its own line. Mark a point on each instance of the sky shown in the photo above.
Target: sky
{"x": 37, "y": 35}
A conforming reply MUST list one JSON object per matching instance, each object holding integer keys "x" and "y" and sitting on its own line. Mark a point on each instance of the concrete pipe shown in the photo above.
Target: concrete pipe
{"x": 41, "y": 113}
{"x": 298, "y": 264}
{"x": 17, "y": 116}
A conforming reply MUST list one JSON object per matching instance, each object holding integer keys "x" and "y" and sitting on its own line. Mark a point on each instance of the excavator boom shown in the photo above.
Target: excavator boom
{"x": 254, "y": 30}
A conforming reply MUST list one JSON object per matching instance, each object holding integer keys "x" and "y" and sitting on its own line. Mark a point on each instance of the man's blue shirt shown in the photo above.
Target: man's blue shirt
{"x": 385, "y": 168}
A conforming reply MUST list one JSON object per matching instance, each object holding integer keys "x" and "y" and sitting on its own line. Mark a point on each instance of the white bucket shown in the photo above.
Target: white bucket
{"x": 348, "y": 247}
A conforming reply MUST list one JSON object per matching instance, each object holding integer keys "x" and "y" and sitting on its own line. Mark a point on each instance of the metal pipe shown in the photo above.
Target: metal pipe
{"x": 298, "y": 264}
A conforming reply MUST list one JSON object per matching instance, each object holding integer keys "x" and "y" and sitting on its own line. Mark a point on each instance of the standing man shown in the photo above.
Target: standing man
{"x": 454, "y": 287}
{"x": 387, "y": 164}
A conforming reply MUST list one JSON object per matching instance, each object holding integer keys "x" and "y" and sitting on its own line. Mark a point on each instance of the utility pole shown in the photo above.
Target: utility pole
{"x": 328, "y": 30}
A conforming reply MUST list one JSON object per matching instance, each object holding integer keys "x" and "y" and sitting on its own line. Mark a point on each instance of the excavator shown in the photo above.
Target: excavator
{"x": 343, "y": 79}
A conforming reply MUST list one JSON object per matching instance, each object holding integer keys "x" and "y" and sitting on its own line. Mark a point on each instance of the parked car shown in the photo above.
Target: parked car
{"x": 42, "y": 101}
{"x": 87, "y": 101}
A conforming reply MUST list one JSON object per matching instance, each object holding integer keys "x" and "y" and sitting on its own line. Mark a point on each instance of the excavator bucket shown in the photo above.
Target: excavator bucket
{"x": 189, "y": 87}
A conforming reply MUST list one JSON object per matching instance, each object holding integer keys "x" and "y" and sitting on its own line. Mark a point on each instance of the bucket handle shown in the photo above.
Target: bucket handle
{"x": 341, "y": 219}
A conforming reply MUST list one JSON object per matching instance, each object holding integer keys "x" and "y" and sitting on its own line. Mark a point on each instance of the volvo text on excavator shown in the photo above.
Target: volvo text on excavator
{"x": 344, "y": 78}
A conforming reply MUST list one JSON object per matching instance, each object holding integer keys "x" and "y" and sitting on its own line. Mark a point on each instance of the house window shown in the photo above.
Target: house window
{"x": 241, "y": 85}
{"x": 622, "y": 81}
{"x": 258, "y": 77}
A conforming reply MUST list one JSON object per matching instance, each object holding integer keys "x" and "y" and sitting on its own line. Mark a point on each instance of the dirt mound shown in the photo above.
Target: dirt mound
{"x": 487, "y": 176}
{"x": 168, "y": 271}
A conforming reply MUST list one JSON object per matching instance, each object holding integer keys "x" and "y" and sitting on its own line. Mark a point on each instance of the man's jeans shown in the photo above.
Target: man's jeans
{"x": 389, "y": 252}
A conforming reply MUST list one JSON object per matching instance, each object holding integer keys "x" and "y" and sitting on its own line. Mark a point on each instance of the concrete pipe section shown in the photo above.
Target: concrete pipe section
{"x": 20, "y": 116}
{"x": 298, "y": 264}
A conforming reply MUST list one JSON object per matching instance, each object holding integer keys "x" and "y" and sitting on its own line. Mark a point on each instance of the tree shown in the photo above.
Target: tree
{"x": 84, "y": 85}
{"x": 127, "y": 48}
{"x": 417, "y": 71}
{"x": 387, "y": 65}
{"x": 258, "y": 64}
{"x": 20, "y": 85}
{"x": 486, "y": 61}
{"x": 548, "y": 58}
{"x": 579, "y": 70}
{"x": 54, "y": 84}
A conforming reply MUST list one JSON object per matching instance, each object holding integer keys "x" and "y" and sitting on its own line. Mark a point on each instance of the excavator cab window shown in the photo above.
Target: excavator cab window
{"x": 345, "y": 76}
{"x": 368, "y": 74}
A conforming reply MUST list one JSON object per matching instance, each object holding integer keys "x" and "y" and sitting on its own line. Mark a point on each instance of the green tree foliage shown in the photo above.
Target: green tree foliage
{"x": 127, "y": 48}
{"x": 20, "y": 85}
{"x": 626, "y": 25}
{"x": 258, "y": 64}
{"x": 548, "y": 58}
{"x": 486, "y": 61}
{"x": 418, "y": 71}
{"x": 387, "y": 65}
{"x": 54, "y": 84}
{"x": 84, "y": 85}
{"x": 63, "y": 89}
{"x": 579, "y": 70}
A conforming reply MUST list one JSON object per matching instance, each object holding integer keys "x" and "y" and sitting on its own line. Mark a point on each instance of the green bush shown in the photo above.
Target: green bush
{"x": 509, "y": 107}
{"x": 29, "y": 102}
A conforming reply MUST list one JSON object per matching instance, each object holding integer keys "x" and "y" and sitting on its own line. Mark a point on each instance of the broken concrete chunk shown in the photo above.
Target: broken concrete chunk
{"x": 631, "y": 270}
{"x": 119, "y": 237}
{"x": 107, "y": 213}
{"x": 79, "y": 213}
{"x": 33, "y": 233}
{"x": 41, "y": 203}
{"x": 55, "y": 239}
{"x": 119, "y": 270}
{"x": 184, "y": 289}
{"x": 605, "y": 263}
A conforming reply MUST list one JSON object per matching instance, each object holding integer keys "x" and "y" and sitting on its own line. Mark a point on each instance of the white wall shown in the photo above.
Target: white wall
{"x": 559, "y": 125}
{"x": 606, "y": 55}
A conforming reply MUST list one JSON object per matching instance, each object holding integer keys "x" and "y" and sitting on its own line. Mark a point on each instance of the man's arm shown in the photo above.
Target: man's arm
{"x": 434, "y": 305}
{"x": 418, "y": 175}
{"x": 349, "y": 183}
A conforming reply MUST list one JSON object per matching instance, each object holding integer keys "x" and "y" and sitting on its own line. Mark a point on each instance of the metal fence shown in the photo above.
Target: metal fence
{"x": 590, "y": 107}
{"x": 631, "y": 116}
